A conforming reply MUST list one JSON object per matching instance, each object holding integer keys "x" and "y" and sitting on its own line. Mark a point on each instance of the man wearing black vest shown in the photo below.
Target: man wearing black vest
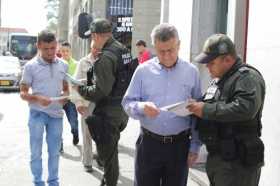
{"x": 107, "y": 83}
{"x": 229, "y": 117}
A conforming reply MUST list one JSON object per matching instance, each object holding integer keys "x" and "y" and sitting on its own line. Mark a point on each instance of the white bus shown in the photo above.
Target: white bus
{"x": 22, "y": 45}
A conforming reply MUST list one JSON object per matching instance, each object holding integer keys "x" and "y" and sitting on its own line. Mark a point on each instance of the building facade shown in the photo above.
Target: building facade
{"x": 135, "y": 19}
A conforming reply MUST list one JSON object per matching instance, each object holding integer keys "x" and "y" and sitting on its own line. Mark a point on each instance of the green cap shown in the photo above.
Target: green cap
{"x": 99, "y": 25}
{"x": 216, "y": 45}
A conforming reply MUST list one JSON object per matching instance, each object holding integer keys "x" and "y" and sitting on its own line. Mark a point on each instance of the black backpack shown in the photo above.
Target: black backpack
{"x": 84, "y": 21}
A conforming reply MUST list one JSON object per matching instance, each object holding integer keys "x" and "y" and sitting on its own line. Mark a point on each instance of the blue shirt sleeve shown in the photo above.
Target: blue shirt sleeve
{"x": 27, "y": 75}
{"x": 132, "y": 99}
{"x": 196, "y": 92}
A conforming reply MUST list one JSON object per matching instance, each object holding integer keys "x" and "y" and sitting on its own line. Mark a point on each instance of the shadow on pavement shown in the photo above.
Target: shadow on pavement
{"x": 125, "y": 181}
{"x": 127, "y": 150}
{"x": 71, "y": 157}
{"x": 98, "y": 173}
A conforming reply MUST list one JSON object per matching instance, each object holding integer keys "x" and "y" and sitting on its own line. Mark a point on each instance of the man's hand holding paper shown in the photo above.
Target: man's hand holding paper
{"x": 180, "y": 108}
{"x": 150, "y": 109}
{"x": 196, "y": 108}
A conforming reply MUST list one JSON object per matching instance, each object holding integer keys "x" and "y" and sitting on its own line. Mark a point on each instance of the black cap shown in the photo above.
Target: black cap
{"x": 99, "y": 25}
{"x": 216, "y": 45}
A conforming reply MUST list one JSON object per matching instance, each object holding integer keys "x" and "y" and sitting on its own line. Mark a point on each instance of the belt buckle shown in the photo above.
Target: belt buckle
{"x": 167, "y": 139}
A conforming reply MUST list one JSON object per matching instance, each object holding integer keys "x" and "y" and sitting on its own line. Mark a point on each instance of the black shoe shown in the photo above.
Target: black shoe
{"x": 94, "y": 156}
{"x": 61, "y": 148}
{"x": 99, "y": 162}
{"x": 88, "y": 168}
{"x": 103, "y": 182}
{"x": 75, "y": 139}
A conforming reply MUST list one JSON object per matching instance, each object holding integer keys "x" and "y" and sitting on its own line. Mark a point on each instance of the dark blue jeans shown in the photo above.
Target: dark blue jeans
{"x": 159, "y": 164}
{"x": 72, "y": 116}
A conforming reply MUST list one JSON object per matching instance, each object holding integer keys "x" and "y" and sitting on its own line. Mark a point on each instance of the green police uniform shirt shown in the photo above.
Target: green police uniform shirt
{"x": 104, "y": 74}
{"x": 241, "y": 97}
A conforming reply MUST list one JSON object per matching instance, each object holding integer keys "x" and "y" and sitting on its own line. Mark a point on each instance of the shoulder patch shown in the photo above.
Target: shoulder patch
{"x": 110, "y": 54}
{"x": 243, "y": 69}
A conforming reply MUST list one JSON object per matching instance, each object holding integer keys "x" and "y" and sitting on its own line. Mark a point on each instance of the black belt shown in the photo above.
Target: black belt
{"x": 168, "y": 139}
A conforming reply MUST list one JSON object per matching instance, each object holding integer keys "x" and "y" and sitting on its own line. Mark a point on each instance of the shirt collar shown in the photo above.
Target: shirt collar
{"x": 43, "y": 62}
{"x": 162, "y": 67}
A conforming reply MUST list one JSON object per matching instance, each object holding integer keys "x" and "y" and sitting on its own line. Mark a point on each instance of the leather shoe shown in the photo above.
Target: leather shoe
{"x": 61, "y": 148}
{"x": 88, "y": 168}
{"x": 103, "y": 183}
{"x": 75, "y": 139}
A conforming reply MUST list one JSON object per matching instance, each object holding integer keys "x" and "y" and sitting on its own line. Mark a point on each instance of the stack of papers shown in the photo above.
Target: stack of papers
{"x": 180, "y": 108}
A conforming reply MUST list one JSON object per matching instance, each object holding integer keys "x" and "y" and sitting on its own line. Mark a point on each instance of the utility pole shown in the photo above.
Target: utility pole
{"x": 63, "y": 20}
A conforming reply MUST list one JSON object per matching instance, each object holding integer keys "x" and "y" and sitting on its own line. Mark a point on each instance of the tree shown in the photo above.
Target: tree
{"x": 52, "y": 14}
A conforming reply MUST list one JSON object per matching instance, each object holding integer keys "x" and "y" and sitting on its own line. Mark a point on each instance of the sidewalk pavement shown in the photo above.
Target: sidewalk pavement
{"x": 15, "y": 170}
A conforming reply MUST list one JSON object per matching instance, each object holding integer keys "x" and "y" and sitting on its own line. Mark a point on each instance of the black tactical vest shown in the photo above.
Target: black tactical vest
{"x": 124, "y": 70}
{"x": 123, "y": 74}
{"x": 212, "y": 132}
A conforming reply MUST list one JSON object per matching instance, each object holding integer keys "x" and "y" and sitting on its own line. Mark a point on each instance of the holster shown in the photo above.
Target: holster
{"x": 251, "y": 151}
{"x": 208, "y": 132}
{"x": 217, "y": 139}
{"x": 100, "y": 129}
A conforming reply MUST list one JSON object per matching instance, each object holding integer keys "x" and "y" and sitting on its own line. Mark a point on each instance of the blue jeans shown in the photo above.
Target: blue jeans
{"x": 72, "y": 116}
{"x": 38, "y": 122}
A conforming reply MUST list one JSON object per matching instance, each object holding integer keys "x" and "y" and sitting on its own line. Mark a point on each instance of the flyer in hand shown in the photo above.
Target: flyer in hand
{"x": 180, "y": 108}
{"x": 59, "y": 98}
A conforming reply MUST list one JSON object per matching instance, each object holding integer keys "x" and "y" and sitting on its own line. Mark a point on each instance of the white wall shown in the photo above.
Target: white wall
{"x": 180, "y": 14}
{"x": 263, "y": 52}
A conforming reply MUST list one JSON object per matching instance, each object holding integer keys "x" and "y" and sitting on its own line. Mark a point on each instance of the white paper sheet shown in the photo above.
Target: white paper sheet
{"x": 59, "y": 98}
{"x": 180, "y": 108}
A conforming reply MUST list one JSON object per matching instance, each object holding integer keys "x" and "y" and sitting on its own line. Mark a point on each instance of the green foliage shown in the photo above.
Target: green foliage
{"x": 52, "y": 7}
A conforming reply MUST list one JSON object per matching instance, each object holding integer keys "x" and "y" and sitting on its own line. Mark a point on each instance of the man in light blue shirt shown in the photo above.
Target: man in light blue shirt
{"x": 164, "y": 150}
{"x": 45, "y": 76}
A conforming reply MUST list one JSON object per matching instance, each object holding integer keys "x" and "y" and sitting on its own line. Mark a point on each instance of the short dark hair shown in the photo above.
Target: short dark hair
{"x": 46, "y": 36}
{"x": 141, "y": 43}
{"x": 66, "y": 44}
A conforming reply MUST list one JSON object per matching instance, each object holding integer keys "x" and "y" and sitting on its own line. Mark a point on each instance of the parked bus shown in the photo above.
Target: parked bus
{"x": 23, "y": 46}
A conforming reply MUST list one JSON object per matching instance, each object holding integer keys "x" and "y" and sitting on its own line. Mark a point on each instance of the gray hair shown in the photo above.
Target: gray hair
{"x": 163, "y": 32}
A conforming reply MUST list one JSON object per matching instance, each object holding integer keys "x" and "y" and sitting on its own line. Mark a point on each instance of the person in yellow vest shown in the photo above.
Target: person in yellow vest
{"x": 69, "y": 107}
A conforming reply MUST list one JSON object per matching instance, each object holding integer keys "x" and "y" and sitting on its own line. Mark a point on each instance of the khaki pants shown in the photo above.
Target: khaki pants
{"x": 87, "y": 140}
{"x": 230, "y": 173}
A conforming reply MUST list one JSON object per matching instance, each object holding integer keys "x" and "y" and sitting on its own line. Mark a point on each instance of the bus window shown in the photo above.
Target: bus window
{"x": 23, "y": 46}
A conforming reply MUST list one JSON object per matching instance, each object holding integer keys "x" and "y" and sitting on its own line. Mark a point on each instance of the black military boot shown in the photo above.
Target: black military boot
{"x": 103, "y": 183}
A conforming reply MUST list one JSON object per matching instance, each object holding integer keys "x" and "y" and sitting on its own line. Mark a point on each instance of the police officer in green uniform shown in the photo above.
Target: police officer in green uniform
{"x": 107, "y": 83}
{"x": 229, "y": 116}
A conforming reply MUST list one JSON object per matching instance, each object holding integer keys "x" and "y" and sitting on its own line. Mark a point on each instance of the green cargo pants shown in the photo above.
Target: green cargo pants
{"x": 230, "y": 173}
{"x": 108, "y": 155}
